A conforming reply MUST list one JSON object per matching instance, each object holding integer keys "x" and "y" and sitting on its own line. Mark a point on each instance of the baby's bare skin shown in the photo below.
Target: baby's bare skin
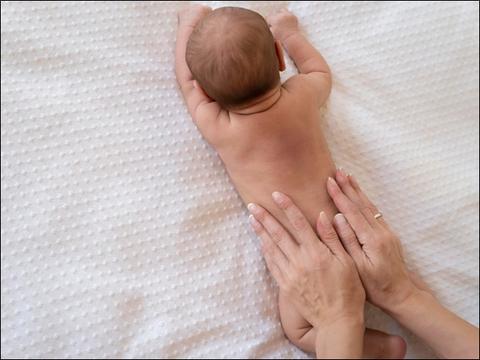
{"x": 279, "y": 146}
{"x": 275, "y": 143}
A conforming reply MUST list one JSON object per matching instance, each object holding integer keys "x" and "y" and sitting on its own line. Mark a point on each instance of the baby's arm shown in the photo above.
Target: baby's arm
{"x": 313, "y": 68}
{"x": 202, "y": 109}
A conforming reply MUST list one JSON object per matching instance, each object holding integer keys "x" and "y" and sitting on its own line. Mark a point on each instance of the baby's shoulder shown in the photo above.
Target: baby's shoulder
{"x": 313, "y": 88}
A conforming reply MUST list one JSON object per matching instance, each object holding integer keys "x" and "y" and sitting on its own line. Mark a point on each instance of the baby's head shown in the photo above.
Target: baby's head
{"x": 231, "y": 53}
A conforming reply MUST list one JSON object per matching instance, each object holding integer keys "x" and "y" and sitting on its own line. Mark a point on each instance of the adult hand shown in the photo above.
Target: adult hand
{"x": 318, "y": 277}
{"x": 371, "y": 243}
{"x": 378, "y": 253}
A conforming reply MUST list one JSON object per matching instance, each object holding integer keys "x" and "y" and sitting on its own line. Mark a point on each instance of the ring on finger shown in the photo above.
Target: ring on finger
{"x": 378, "y": 215}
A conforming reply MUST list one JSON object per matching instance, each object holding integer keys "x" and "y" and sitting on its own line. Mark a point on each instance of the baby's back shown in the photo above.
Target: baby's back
{"x": 280, "y": 149}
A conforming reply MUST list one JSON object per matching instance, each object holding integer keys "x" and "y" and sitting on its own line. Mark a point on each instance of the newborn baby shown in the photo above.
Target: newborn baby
{"x": 267, "y": 133}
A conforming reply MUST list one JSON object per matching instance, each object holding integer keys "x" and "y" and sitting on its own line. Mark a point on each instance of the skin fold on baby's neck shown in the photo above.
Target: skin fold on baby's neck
{"x": 261, "y": 104}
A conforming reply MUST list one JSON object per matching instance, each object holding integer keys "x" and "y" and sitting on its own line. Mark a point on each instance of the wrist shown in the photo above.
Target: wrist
{"x": 349, "y": 321}
{"x": 289, "y": 35}
{"x": 342, "y": 338}
{"x": 415, "y": 300}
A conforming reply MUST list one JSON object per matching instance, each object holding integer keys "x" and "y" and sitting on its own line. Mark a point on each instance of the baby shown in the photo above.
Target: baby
{"x": 267, "y": 133}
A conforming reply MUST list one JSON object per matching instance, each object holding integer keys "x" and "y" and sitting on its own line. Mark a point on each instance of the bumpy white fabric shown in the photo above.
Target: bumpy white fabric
{"x": 122, "y": 233}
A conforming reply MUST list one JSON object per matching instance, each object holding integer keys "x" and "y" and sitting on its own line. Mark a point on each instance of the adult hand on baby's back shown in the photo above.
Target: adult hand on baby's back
{"x": 374, "y": 247}
{"x": 192, "y": 14}
{"x": 318, "y": 277}
{"x": 282, "y": 24}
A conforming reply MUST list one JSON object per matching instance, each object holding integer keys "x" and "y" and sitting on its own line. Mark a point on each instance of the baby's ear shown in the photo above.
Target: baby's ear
{"x": 197, "y": 87}
{"x": 280, "y": 55}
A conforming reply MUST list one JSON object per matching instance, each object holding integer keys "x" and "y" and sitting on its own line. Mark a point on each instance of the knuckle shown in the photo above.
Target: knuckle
{"x": 300, "y": 223}
{"x": 360, "y": 204}
{"x": 271, "y": 250}
{"x": 285, "y": 204}
{"x": 278, "y": 235}
{"x": 385, "y": 235}
{"x": 349, "y": 238}
{"x": 353, "y": 208}
{"x": 380, "y": 243}
{"x": 330, "y": 234}
{"x": 260, "y": 230}
{"x": 260, "y": 215}
{"x": 301, "y": 272}
{"x": 373, "y": 209}
{"x": 316, "y": 257}
{"x": 295, "y": 262}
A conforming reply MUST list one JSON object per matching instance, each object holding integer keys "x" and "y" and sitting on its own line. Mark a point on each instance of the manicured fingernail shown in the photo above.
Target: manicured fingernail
{"x": 324, "y": 219}
{"x": 253, "y": 208}
{"x": 340, "y": 220}
{"x": 342, "y": 170}
{"x": 277, "y": 197}
{"x": 253, "y": 221}
{"x": 334, "y": 183}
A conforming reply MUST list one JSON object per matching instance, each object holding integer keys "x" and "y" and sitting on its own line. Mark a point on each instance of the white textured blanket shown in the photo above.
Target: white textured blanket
{"x": 122, "y": 234}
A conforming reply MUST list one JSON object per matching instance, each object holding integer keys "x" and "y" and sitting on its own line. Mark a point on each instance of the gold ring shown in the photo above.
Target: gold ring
{"x": 378, "y": 215}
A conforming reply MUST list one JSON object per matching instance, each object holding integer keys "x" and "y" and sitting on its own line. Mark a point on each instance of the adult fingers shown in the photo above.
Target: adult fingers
{"x": 349, "y": 191}
{"x": 268, "y": 245}
{"x": 366, "y": 200}
{"x": 348, "y": 237}
{"x": 303, "y": 232}
{"x": 275, "y": 230}
{"x": 328, "y": 235}
{"x": 381, "y": 221}
{"x": 354, "y": 216}
{"x": 273, "y": 267}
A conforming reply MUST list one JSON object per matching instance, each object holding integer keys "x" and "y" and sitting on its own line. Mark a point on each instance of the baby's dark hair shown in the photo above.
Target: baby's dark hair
{"x": 231, "y": 53}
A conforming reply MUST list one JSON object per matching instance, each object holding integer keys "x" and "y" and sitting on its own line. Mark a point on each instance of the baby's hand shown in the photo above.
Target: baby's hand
{"x": 282, "y": 24}
{"x": 191, "y": 15}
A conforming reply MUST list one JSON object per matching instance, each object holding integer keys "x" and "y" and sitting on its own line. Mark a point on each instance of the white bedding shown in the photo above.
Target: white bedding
{"x": 122, "y": 233}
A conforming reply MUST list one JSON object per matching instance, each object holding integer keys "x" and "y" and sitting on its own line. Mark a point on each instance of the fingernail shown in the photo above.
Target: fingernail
{"x": 342, "y": 170}
{"x": 277, "y": 197}
{"x": 340, "y": 220}
{"x": 324, "y": 219}
{"x": 253, "y": 221}
{"x": 334, "y": 183}
{"x": 253, "y": 208}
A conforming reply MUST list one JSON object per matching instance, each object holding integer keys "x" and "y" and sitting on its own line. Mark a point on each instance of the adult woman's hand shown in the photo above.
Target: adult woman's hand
{"x": 374, "y": 247}
{"x": 378, "y": 254}
{"x": 318, "y": 277}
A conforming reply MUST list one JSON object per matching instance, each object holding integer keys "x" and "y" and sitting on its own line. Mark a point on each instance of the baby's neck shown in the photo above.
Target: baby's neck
{"x": 260, "y": 104}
